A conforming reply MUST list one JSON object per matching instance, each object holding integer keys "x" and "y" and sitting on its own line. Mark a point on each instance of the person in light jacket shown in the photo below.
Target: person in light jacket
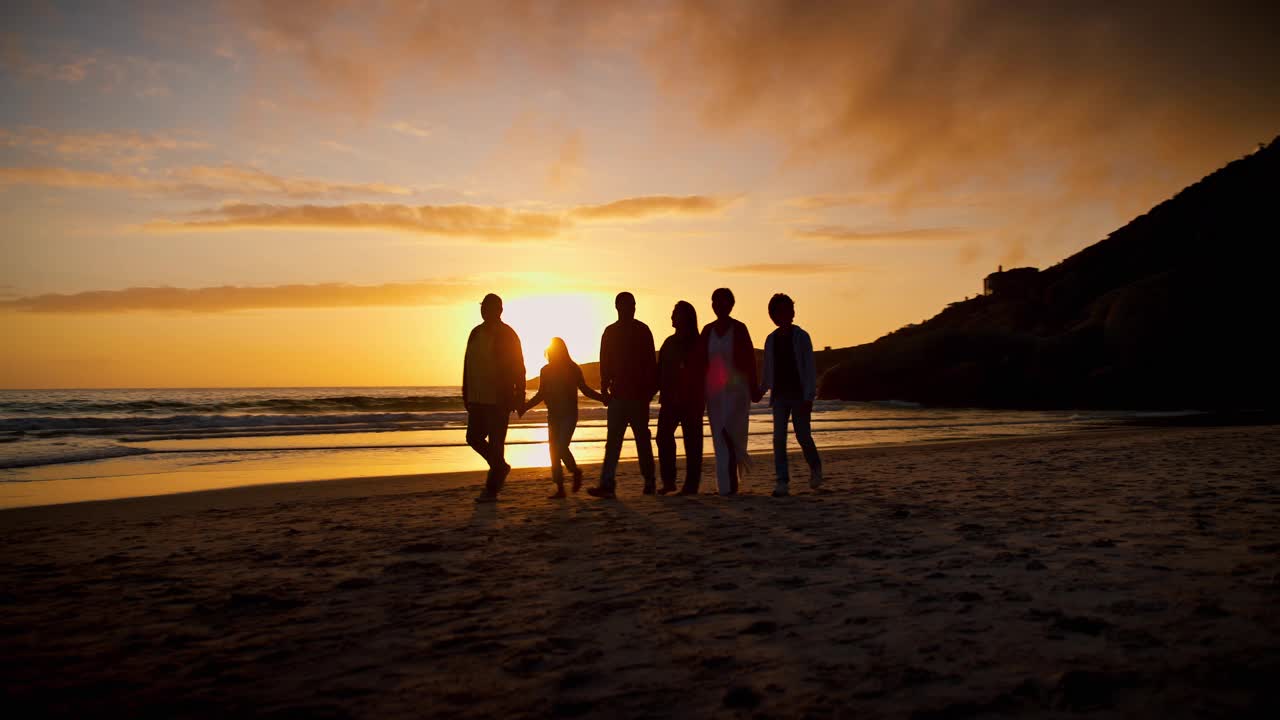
{"x": 791, "y": 379}
{"x": 731, "y": 386}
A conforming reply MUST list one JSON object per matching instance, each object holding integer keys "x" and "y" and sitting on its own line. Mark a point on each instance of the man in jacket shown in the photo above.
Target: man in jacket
{"x": 493, "y": 386}
{"x": 791, "y": 378}
{"x": 628, "y": 381}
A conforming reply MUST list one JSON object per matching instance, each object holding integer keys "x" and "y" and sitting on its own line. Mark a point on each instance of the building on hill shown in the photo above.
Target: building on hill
{"x": 1021, "y": 282}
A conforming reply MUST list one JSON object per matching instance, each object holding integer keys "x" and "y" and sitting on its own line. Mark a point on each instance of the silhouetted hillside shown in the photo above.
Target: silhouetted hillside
{"x": 1175, "y": 309}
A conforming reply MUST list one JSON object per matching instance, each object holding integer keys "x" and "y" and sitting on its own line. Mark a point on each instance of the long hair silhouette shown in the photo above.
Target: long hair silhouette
{"x": 558, "y": 353}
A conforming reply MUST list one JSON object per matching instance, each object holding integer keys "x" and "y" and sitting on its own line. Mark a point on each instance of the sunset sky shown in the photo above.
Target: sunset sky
{"x": 320, "y": 193}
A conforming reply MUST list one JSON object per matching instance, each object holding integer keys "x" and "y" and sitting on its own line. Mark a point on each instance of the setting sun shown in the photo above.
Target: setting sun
{"x": 578, "y": 318}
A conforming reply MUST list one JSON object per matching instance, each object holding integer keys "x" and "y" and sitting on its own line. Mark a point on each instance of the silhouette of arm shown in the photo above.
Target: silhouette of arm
{"x": 465, "y": 356}
{"x": 808, "y": 366}
{"x": 664, "y": 368}
{"x": 586, "y": 389}
{"x": 517, "y": 361}
{"x": 700, "y": 352}
{"x": 532, "y": 402}
{"x": 650, "y": 361}
{"x": 766, "y": 383}
{"x": 753, "y": 379}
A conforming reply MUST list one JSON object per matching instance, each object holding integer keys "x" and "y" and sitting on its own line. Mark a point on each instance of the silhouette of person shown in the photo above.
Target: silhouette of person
{"x": 628, "y": 380}
{"x": 791, "y": 379}
{"x": 680, "y": 400}
{"x": 492, "y": 388}
{"x": 731, "y": 387}
{"x": 558, "y": 385}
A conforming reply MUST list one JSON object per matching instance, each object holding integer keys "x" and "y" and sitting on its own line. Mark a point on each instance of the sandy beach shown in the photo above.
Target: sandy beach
{"x": 1130, "y": 573}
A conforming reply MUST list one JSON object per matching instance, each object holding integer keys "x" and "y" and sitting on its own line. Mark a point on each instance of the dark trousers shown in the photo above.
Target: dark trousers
{"x": 624, "y": 414}
{"x": 792, "y": 404}
{"x": 487, "y": 435}
{"x": 559, "y": 435}
{"x": 689, "y": 420}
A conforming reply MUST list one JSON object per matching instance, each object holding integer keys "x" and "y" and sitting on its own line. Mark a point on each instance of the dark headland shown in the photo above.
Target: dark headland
{"x": 1176, "y": 309}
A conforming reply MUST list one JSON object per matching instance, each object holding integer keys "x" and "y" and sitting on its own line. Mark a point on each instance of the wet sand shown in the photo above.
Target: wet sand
{"x": 1133, "y": 573}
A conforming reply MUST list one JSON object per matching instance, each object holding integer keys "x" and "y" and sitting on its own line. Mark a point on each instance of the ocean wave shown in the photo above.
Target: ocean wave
{"x": 52, "y": 426}
{"x": 247, "y": 405}
{"x": 32, "y": 455}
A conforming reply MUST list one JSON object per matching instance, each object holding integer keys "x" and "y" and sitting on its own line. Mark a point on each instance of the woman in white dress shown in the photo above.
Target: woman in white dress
{"x": 731, "y": 386}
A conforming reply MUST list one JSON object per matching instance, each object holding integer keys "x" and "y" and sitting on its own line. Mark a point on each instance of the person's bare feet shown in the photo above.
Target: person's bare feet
{"x": 577, "y": 479}
{"x": 602, "y": 493}
{"x": 557, "y": 494}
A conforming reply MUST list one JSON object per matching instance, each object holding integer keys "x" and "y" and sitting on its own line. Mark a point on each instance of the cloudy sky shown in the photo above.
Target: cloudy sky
{"x": 254, "y": 193}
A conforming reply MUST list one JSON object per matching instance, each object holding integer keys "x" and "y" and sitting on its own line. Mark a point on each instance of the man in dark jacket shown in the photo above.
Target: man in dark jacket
{"x": 628, "y": 381}
{"x": 493, "y": 385}
{"x": 681, "y": 400}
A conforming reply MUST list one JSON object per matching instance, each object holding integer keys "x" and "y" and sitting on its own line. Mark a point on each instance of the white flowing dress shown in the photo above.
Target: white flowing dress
{"x": 728, "y": 408}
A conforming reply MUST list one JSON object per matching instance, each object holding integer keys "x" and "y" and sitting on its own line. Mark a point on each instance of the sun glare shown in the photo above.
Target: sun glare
{"x": 578, "y": 318}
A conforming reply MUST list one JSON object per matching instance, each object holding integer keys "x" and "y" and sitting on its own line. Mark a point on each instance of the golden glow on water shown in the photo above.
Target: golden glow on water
{"x": 163, "y": 474}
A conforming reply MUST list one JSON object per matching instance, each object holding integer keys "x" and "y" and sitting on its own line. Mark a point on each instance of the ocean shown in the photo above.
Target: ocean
{"x": 69, "y": 445}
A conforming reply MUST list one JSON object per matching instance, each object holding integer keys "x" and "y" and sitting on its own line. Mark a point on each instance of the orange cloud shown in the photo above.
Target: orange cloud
{"x": 489, "y": 223}
{"x": 68, "y": 178}
{"x": 405, "y": 128}
{"x": 639, "y": 207}
{"x": 198, "y": 180}
{"x": 984, "y": 95}
{"x": 840, "y": 234}
{"x": 116, "y": 146}
{"x": 252, "y": 181}
{"x": 351, "y": 51}
{"x": 950, "y": 199}
{"x": 1093, "y": 102}
{"x": 784, "y": 269}
{"x": 493, "y": 224}
{"x": 231, "y": 298}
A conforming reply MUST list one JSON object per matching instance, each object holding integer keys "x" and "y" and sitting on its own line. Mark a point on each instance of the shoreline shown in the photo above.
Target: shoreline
{"x": 358, "y": 486}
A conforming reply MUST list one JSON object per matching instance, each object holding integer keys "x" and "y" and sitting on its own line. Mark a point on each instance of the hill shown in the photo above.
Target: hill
{"x": 1176, "y": 309}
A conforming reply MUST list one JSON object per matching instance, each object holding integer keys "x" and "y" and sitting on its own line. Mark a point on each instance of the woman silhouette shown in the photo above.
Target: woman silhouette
{"x": 558, "y": 385}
